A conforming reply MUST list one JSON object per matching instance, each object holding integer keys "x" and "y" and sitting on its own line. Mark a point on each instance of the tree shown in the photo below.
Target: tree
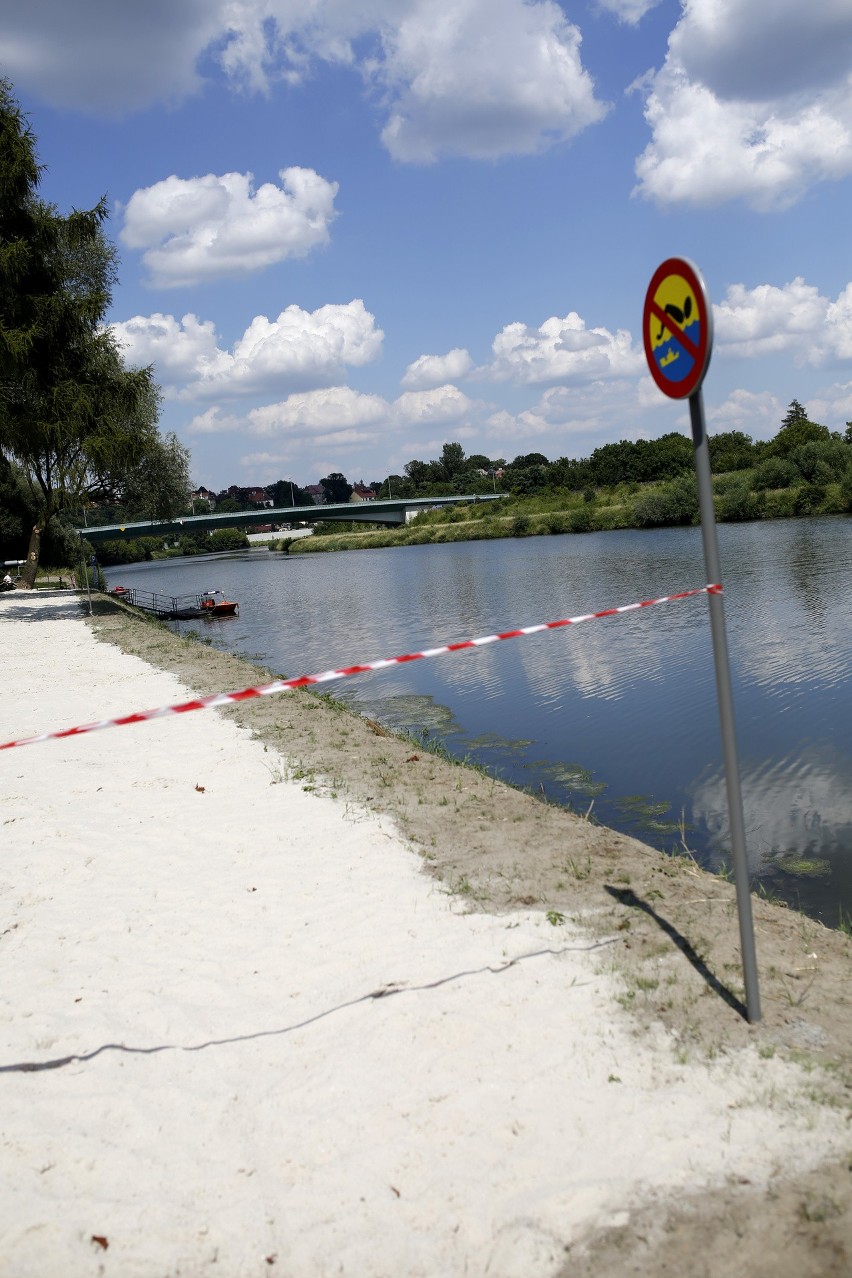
{"x": 229, "y": 506}
{"x": 795, "y": 413}
{"x": 451, "y": 460}
{"x": 419, "y": 472}
{"x": 15, "y": 511}
{"x": 614, "y": 463}
{"x": 731, "y": 450}
{"x": 226, "y": 539}
{"x": 526, "y": 480}
{"x": 525, "y": 460}
{"x": 78, "y": 425}
{"x": 664, "y": 458}
{"x": 796, "y": 429}
{"x": 284, "y": 492}
{"x": 571, "y": 473}
{"x": 336, "y": 487}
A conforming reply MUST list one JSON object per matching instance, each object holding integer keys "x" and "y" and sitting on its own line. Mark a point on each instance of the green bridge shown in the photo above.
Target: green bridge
{"x": 388, "y": 511}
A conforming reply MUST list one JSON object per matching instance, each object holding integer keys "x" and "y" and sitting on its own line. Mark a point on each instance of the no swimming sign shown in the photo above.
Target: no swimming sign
{"x": 677, "y": 327}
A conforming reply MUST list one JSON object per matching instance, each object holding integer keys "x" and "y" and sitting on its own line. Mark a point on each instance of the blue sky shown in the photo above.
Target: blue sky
{"x": 353, "y": 229}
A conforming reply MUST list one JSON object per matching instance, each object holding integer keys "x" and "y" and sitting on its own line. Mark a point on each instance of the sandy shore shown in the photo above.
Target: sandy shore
{"x": 245, "y": 1033}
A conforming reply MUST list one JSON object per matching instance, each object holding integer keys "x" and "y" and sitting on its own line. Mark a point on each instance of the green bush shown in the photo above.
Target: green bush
{"x": 521, "y": 526}
{"x": 739, "y": 503}
{"x": 674, "y": 503}
{"x": 581, "y": 520}
{"x": 227, "y": 539}
{"x": 132, "y": 551}
{"x": 779, "y": 504}
{"x": 822, "y": 461}
{"x": 336, "y": 527}
{"x": 724, "y": 483}
{"x": 834, "y": 502}
{"x": 191, "y": 545}
{"x": 607, "y": 518}
{"x": 775, "y": 472}
{"x": 808, "y": 499}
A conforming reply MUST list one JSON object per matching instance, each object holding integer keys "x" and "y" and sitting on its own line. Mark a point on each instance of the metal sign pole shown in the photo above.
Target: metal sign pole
{"x": 726, "y": 705}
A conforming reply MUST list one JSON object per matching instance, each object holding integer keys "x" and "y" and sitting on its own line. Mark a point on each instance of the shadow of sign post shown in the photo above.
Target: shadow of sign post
{"x": 677, "y": 328}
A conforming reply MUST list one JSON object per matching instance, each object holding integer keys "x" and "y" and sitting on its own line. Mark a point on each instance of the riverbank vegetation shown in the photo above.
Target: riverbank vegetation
{"x": 805, "y": 470}
{"x": 115, "y": 553}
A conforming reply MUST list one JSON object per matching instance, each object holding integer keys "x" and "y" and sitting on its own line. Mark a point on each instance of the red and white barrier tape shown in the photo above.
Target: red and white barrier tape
{"x": 326, "y": 676}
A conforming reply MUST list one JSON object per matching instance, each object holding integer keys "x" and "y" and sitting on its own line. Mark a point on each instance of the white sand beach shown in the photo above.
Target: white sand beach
{"x": 244, "y": 1033}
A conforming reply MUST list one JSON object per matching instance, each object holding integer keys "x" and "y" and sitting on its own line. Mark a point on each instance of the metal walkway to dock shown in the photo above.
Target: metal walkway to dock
{"x": 164, "y": 607}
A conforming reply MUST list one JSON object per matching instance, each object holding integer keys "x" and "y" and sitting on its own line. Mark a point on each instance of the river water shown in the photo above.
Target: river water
{"x": 618, "y": 715}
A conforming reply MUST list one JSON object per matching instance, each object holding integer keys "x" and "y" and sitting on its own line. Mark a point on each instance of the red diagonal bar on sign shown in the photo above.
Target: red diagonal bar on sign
{"x": 677, "y": 333}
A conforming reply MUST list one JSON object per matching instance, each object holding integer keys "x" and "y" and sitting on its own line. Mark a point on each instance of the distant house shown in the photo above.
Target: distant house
{"x": 204, "y": 494}
{"x": 360, "y": 492}
{"x": 258, "y": 496}
{"x": 316, "y": 492}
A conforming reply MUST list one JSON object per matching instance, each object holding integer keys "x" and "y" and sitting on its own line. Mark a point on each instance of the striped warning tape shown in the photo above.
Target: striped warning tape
{"x": 326, "y": 676}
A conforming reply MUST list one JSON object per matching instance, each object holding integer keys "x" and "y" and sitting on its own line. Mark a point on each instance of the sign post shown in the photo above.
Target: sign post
{"x": 677, "y": 328}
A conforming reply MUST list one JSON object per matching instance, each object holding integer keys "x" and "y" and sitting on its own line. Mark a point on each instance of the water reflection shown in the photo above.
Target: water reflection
{"x": 621, "y": 712}
{"x": 798, "y": 824}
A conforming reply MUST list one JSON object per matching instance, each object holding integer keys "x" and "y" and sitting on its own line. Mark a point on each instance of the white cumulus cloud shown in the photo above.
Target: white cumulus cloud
{"x": 108, "y": 58}
{"x": 433, "y": 370}
{"x": 832, "y": 406}
{"x": 756, "y": 413}
{"x": 578, "y": 418}
{"x": 441, "y": 404}
{"x": 479, "y": 78}
{"x": 334, "y": 408}
{"x": 743, "y": 51}
{"x": 180, "y": 349}
{"x": 482, "y": 78}
{"x": 797, "y": 318}
{"x": 629, "y": 11}
{"x": 299, "y": 350}
{"x": 750, "y": 105}
{"x": 306, "y": 415}
{"x": 562, "y": 349}
{"x": 838, "y": 319}
{"x": 202, "y": 228}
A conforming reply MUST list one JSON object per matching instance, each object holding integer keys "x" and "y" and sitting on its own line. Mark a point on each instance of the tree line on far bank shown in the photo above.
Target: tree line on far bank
{"x": 642, "y": 461}
{"x": 804, "y": 470}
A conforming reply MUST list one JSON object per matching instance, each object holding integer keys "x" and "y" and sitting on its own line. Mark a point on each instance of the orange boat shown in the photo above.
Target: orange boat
{"x": 214, "y": 604}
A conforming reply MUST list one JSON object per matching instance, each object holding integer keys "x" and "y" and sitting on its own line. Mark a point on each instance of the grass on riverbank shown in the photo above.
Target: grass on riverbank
{"x": 600, "y": 510}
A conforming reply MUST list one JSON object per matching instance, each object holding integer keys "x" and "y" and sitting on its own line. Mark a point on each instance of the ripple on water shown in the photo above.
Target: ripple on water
{"x": 622, "y": 711}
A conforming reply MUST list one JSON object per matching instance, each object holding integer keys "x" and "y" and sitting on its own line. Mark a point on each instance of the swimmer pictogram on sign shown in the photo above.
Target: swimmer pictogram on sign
{"x": 677, "y": 328}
